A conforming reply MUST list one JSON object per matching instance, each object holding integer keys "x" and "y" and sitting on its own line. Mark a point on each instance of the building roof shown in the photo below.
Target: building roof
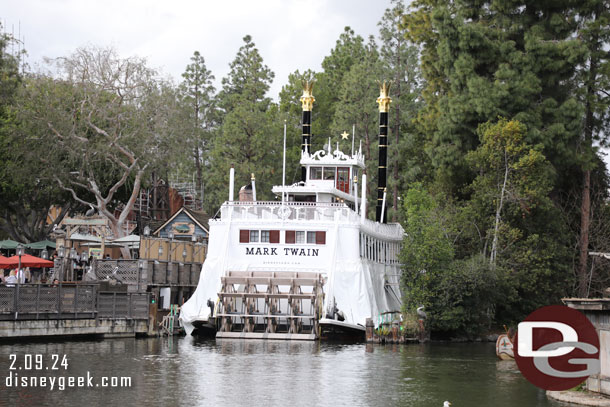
{"x": 199, "y": 217}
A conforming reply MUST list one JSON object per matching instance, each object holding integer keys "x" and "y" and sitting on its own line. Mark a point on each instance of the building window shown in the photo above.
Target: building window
{"x": 300, "y": 236}
{"x": 311, "y": 237}
{"x": 264, "y": 236}
{"x": 329, "y": 173}
{"x": 254, "y": 236}
{"x": 244, "y": 236}
{"x": 315, "y": 173}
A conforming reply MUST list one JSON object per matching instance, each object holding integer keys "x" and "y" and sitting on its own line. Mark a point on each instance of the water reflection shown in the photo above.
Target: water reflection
{"x": 188, "y": 371}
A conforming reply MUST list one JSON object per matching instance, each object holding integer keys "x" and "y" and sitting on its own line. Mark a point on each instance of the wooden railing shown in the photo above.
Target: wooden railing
{"x": 69, "y": 301}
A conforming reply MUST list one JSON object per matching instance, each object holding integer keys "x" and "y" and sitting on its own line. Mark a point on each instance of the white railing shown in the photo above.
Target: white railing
{"x": 388, "y": 230}
{"x": 306, "y": 211}
{"x": 290, "y": 211}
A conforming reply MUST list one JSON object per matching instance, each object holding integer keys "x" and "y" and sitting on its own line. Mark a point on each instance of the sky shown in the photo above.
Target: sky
{"x": 290, "y": 34}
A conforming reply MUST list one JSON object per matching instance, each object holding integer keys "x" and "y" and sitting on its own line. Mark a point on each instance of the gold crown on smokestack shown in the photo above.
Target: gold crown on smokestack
{"x": 307, "y": 99}
{"x": 384, "y": 99}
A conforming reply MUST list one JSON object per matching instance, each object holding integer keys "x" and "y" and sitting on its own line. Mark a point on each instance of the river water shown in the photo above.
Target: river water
{"x": 187, "y": 371}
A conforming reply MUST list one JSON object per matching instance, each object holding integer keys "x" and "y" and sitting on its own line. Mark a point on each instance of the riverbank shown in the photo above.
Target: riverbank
{"x": 583, "y": 398}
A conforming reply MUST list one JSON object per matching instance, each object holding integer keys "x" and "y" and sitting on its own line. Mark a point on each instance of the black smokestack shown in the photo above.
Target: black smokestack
{"x": 307, "y": 102}
{"x": 384, "y": 107}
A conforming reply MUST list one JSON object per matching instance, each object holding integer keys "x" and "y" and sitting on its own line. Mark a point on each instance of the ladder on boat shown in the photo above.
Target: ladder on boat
{"x": 270, "y": 305}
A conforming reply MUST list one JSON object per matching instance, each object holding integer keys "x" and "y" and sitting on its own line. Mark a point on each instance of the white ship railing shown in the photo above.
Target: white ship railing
{"x": 306, "y": 211}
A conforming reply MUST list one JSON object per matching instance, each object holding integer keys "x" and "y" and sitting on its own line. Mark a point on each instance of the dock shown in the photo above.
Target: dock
{"x": 62, "y": 310}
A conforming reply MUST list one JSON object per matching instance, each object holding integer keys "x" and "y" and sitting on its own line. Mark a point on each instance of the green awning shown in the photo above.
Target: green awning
{"x": 43, "y": 244}
{"x": 8, "y": 244}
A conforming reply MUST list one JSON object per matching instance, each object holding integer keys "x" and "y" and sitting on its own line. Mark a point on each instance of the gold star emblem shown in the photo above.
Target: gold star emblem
{"x": 344, "y": 135}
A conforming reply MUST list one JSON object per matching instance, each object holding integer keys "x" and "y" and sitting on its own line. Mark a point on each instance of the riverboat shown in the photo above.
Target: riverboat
{"x": 310, "y": 265}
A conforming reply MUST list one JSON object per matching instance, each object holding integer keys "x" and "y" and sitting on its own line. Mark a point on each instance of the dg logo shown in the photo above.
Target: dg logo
{"x": 557, "y": 348}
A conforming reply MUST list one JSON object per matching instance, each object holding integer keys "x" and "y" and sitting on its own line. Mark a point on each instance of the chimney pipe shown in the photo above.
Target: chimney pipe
{"x": 364, "y": 198}
{"x": 231, "y": 183}
{"x": 253, "y": 179}
{"x": 307, "y": 103}
{"x": 384, "y": 107}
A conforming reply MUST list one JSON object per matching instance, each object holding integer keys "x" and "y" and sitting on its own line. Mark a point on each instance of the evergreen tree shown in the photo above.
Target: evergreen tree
{"x": 401, "y": 65}
{"x": 594, "y": 75}
{"x": 349, "y": 50}
{"x": 250, "y": 137}
{"x": 198, "y": 97}
{"x": 290, "y": 108}
{"x": 356, "y": 107}
{"x": 482, "y": 60}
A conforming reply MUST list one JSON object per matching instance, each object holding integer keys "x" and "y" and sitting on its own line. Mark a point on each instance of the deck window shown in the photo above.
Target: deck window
{"x": 264, "y": 236}
{"x": 311, "y": 237}
{"x": 300, "y": 236}
{"x": 308, "y": 237}
{"x": 329, "y": 173}
{"x": 244, "y": 236}
{"x": 254, "y": 236}
{"x": 315, "y": 173}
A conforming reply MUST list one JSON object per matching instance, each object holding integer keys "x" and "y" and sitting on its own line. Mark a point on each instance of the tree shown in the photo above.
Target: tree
{"x": 348, "y": 51}
{"x": 401, "y": 66}
{"x": 248, "y": 80}
{"x": 485, "y": 59}
{"x": 510, "y": 171}
{"x": 26, "y": 179}
{"x": 251, "y": 129}
{"x": 197, "y": 94}
{"x": 107, "y": 124}
{"x": 594, "y": 74}
{"x": 459, "y": 295}
{"x": 25, "y": 192}
{"x": 356, "y": 107}
{"x": 291, "y": 109}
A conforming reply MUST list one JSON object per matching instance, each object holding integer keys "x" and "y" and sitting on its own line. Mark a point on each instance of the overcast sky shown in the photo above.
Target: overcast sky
{"x": 290, "y": 34}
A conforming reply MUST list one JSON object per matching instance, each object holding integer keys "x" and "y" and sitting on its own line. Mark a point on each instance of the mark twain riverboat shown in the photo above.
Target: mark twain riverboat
{"x": 309, "y": 267}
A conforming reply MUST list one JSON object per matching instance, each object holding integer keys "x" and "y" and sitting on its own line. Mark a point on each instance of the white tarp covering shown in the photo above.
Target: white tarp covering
{"x": 356, "y": 285}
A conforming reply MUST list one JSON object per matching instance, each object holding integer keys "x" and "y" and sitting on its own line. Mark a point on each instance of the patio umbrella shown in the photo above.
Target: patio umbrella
{"x": 27, "y": 260}
{"x": 43, "y": 244}
{"x": 8, "y": 244}
{"x": 5, "y": 263}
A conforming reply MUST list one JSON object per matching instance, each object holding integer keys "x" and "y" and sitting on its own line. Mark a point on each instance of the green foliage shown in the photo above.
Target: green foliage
{"x": 198, "y": 119}
{"x": 250, "y": 135}
{"x": 291, "y": 110}
{"x": 348, "y": 51}
{"x": 487, "y": 59}
{"x": 400, "y": 64}
{"x": 459, "y": 295}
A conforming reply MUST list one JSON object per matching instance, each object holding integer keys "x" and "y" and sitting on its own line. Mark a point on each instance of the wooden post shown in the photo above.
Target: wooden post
{"x": 59, "y": 301}
{"x": 75, "y": 301}
{"x": 370, "y": 329}
{"x": 37, "y": 300}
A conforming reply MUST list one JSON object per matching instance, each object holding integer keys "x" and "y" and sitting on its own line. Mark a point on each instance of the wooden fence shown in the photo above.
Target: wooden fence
{"x": 140, "y": 274}
{"x": 69, "y": 301}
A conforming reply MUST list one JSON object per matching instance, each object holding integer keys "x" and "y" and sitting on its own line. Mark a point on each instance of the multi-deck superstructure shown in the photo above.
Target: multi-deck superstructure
{"x": 310, "y": 265}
